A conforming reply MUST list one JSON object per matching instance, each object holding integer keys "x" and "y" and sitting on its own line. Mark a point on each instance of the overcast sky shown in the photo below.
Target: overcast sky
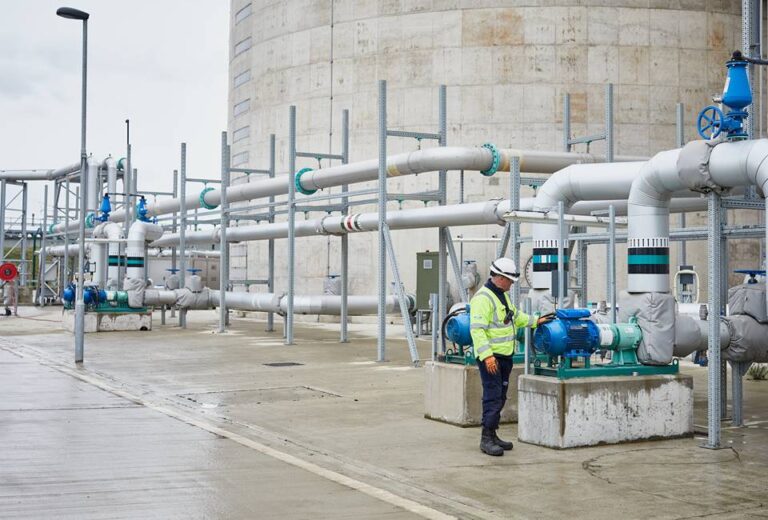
{"x": 160, "y": 63}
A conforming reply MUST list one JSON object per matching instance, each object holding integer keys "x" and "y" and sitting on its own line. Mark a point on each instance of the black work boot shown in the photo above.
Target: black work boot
{"x": 504, "y": 445}
{"x": 488, "y": 444}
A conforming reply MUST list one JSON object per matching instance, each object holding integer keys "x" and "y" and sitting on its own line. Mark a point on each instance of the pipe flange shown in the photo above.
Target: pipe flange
{"x": 89, "y": 218}
{"x": 496, "y": 159}
{"x": 50, "y": 229}
{"x": 297, "y": 182}
{"x": 202, "y": 199}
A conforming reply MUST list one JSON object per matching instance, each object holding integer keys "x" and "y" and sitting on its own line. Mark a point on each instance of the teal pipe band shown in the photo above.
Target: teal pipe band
{"x": 89, "y": 220}
{"x": 496, "y": 159}
{"x": 202, "y": 199}
{"x": 298, "y": 182}
{"x": 50, "y": 229}
{"x": 121, "y": 164}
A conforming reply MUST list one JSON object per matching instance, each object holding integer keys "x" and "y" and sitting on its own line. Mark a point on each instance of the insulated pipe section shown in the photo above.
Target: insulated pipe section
{"x": 487, "y": 160}
{"x": 575, "y": 183}
{"x": 110, "y": 165}
{"x": 648, "y": 232}
{"x": 94, "y": 186}
{"x": 470, "y": 214}
{"x": 313, "y": 304}
{"x": 138, "y": 235}
{"x": 691, "y": 335}
{"x": 38, "y": 175}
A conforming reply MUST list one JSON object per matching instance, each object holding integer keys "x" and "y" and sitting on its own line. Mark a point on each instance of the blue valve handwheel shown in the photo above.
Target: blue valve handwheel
{"x": 710, "y": 122}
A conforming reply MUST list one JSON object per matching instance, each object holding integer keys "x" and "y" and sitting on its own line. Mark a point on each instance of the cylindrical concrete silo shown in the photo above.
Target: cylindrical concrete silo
{"x": 507, "y": 65}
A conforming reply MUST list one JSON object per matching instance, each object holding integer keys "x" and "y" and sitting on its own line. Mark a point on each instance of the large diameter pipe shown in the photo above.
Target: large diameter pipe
{"x": 475, "y": 213}
{"x": 421, "y": 161}
{"x": 325, "y": 304}
{"x": 575, "y": 183}
{"x": 110, "y": 165}
{"x": 94, "y": 186}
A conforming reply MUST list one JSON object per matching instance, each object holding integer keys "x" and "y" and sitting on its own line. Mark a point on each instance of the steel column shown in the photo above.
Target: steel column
{"x": 455, "y": 263}
{"x": 562, "y": 289}
{"x": 382, "y": 263}
{"x": 611, "y": 293}
{"x": 442, "y": 267}
{"x": 435, "y": 324}
{"x": 681, "y": 251}
{"x": 400, "y": 293}
{"x": 175, "y": 227}
{"x": 609, "y": 144}
{"x": 3, "y": 192}
{"x": 183, "y": 229}
{"x": 41, "y": 275}
{"x": 291, "y": 222}
{"x": 23, "y": 263}
{"x": 343, "y": 333}
{"x": 713, "y": 353}
{"x": 514, "y": 226}
{"x": 567, "y": 122}
{"x": 223, "y": 244}
{"x": 271, "y": 244}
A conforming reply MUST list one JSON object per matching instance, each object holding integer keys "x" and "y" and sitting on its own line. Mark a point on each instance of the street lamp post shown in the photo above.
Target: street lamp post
{"x": 75, "y": 14}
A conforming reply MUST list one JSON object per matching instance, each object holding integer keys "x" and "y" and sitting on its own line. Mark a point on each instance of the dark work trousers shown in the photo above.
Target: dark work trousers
{"x": 495, "y": 390}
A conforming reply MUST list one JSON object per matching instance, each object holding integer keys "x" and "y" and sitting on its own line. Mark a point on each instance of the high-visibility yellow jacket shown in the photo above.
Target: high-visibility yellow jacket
{"x": 489, "y": 333}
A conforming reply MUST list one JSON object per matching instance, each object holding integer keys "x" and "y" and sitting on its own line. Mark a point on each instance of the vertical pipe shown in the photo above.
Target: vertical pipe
{"x": 271, "y": 245}
{"x": 44, "y": 227}
{"x": 183, "y": 230}
{"x": 129, "y": 206}
{"x": 343, "y": 333}
{"x": 442, "y": 264}
{"x": 724, "y": 261}
{"x": 561, "y": 250}
{"x": 514, "y": 205}
{"x": 612, "y": 261}
{"x": 175, "y": 227}
{"x": 223, "y": 245}
{"x": 382, "y": 274}
{"x": 291, "y": 221}
{"x": 567, "y": 122}
{"x": 609, "y": 149}
{"x": 747, "y": 23}
{"x": 713, "y": 353}
{"x": 66, "y": 235}
{"x": 23, "y": 264}
{"x": 681, "y": 251}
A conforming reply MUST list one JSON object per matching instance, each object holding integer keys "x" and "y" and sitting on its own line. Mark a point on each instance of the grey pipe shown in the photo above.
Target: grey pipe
{"x": 421, "y": 161}
{"x": 38, "y": 175}
{"x": 475, "y": 213}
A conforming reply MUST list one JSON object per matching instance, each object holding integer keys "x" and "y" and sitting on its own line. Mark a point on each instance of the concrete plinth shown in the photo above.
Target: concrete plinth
{"x": 109, "y": 321}
{"x": 603, "y": 410}
{"x": 454, "y": 393}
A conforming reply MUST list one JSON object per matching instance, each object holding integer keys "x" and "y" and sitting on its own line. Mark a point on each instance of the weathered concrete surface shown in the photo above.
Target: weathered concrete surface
{"x": 588, "y": 411}
{"x": 453, "y": 394}
{"x": 71, "y": 450}
{"x": 109, "y": 321}
{"x": 345, "y": 412}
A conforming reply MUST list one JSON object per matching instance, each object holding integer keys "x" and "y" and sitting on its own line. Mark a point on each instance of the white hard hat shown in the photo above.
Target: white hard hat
{"x": 505, "y": 267}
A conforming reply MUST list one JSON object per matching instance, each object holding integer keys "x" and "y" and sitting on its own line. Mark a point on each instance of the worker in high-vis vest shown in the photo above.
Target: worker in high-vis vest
{"x": 493, "y": 324}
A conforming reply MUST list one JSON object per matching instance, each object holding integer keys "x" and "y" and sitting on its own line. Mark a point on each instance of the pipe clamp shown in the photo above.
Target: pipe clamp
{"x": 495, "y": 162}
{"x": 297, "y": 182}
{"x": 202, "y": 199}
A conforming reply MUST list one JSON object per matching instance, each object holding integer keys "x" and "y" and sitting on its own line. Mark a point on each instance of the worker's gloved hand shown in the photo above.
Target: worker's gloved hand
{"x": 491, "y": 365}
{"x": 546, "y": 318}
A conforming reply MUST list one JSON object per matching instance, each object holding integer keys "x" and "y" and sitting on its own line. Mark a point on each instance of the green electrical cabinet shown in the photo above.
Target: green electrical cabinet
{"x": 427, "y": 279}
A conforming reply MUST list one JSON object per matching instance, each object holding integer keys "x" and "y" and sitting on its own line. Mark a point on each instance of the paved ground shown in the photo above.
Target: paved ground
{"x": 189, "y": 423}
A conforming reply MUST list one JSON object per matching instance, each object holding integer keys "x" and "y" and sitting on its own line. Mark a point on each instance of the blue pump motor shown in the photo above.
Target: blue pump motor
{"x": 568, "y": 335}
{"x": 68, "y": 295}
{"x": 457, "y": 329}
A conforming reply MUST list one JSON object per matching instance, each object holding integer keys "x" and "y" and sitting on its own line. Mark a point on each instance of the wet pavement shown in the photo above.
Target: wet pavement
{"x": 190, "y": 424}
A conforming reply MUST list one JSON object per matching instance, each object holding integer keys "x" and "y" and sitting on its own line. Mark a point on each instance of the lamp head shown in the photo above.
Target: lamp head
{"x": 72, "y": 14}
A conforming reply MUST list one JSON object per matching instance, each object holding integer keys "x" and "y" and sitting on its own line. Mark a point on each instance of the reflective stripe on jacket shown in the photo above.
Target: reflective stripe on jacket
{"x": 489, "y": 333}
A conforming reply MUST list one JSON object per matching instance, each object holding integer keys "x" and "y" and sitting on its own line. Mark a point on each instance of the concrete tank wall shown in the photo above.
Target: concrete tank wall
{"x": 507, "y": 65}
